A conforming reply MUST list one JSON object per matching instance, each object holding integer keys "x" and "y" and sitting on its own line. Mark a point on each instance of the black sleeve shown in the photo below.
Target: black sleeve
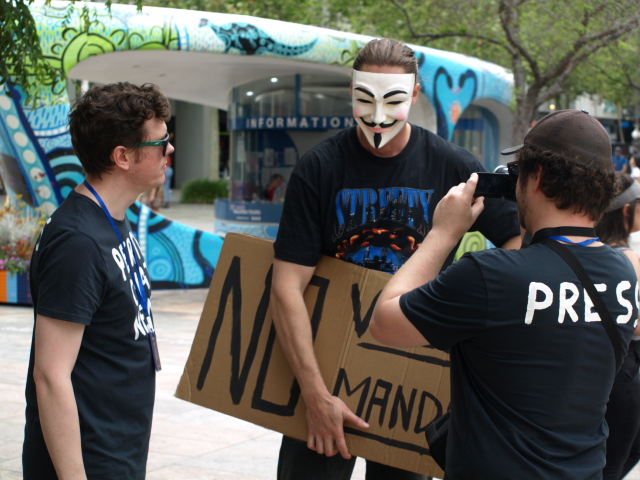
{"x": 451, "y": 308}
{"x": 72, "y": 279}
{"x": 299, "y": 238}
{"x": 499, "y": 219}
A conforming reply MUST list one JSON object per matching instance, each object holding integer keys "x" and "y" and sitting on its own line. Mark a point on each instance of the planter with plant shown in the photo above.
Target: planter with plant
{"x": 20, "y": 226}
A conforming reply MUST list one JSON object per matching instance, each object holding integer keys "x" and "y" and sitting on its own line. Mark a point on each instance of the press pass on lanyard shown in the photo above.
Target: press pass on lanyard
{"x": 138, "y": 287}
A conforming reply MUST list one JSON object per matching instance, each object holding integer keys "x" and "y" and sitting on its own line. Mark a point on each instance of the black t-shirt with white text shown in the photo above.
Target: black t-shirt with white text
{"x": 79, "y": 274}
{"x": 345, "y": 202}
{"x": 531, "y": 363}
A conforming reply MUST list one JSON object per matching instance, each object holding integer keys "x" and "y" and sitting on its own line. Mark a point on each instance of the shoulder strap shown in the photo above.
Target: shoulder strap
{"x": 587, "y": 283}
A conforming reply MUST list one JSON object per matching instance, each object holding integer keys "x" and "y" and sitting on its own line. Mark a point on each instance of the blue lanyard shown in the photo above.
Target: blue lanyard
{"x": 137, "y": 284}
{"x": 584, "y": 243}
{"x": 558, "y": 233}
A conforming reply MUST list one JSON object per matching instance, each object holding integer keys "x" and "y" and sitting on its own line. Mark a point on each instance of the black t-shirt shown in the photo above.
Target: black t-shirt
{"x": 345, "y": 202}
{"x": 79, "y": 274}
{"x": 531, "y": 365}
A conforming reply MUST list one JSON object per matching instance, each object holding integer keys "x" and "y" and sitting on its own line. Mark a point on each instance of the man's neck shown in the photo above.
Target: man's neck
{"x": 116, "y": 198}
{"x": 395, "y": 146}
{"x": 563, "y": 219}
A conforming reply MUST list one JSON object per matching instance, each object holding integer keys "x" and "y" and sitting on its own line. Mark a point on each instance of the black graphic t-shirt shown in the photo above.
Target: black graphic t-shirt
{"x": 79, "y": 273}
{"x": 531, "y": 363}
{"x": 345, "y": 202}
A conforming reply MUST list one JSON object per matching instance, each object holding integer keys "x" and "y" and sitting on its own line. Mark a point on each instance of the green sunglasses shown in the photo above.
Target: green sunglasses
{"x": 155, "y": 143}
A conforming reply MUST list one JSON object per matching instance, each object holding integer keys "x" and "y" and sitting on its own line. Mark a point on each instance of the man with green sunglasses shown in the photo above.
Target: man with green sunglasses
{"x": 91, "y": 379}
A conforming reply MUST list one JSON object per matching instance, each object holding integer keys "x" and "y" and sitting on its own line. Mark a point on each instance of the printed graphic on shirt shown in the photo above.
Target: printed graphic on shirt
{"x": 380, "y": 229}
{"x": 138, "y": 283}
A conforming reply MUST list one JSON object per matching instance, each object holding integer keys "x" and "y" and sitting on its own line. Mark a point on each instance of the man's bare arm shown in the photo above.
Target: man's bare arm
{"x": 326, "y": 414}
{"x": 57, "y": 344}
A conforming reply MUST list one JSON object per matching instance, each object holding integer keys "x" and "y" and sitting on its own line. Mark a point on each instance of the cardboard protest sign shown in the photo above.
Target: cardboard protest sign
{"x": 237, "y": 367}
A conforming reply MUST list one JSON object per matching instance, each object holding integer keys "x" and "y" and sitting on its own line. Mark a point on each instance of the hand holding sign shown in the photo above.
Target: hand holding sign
{"x": 326, "y": 417}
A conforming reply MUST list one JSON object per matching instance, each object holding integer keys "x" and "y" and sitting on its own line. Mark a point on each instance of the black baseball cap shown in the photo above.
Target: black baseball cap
{"x": 573, "y": 135}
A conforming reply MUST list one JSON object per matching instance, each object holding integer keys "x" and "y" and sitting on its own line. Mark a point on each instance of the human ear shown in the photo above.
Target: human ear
{"x": 414, "y": 96}
{"x": 120, "y": 157}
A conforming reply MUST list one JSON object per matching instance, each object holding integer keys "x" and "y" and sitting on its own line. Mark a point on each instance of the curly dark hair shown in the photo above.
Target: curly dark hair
{"x": 387, "y": 52}
{"x": 113, "y": 115}
{"x": 613, "y": 228}
{"x": 569, "y": 183}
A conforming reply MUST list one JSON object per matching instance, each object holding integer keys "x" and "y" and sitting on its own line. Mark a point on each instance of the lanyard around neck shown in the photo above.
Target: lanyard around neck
{"x": 560, "y": 233}
{"x": 137, "y": 284}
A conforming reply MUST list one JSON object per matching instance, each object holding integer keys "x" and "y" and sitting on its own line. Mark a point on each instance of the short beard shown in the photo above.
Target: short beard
{"x": 522, "y": 209}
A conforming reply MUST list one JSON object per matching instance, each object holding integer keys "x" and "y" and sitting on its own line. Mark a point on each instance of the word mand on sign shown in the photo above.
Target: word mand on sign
{"x": 236, "y": 365}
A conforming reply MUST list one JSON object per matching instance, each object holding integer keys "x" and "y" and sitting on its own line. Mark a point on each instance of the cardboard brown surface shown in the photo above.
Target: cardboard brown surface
{"x": 237, "y": 367}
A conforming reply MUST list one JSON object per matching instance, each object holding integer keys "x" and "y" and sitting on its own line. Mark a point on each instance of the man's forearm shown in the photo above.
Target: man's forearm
{"x": 326, "y": 414}
{"x": 293, "y": 327}
{"x": 61, "y": 427}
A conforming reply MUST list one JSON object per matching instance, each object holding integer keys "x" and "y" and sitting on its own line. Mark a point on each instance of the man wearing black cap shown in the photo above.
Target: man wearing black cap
{"x": 532, "y": 360}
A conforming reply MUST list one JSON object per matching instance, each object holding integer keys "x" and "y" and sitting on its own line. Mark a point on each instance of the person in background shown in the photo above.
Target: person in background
{"x": 532, "y": 363}
{"x": 155, "y": 194}
{"x": 275, "y": 191}
{"x": 92, "y": 369}
{"x": 369, "y": 191}
{"x": 620, "y": 162}
{"x": 623, "y": 408}
{"x": 635, "y": 169}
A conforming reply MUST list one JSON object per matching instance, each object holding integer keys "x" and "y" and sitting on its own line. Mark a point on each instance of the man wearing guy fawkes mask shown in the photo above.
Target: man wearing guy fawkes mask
{"x": 367, "y": 196}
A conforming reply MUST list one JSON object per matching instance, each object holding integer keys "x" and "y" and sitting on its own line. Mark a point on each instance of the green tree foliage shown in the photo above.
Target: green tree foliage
{"x": 22, "y": 58}
{"x": 543, "y": 42}
{"x": 23, "y": 62}
{"x": 613, "y": 73}
{"x": 306, "y": 12}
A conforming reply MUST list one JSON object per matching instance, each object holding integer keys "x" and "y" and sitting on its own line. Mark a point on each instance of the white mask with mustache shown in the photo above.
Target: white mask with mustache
{"x": 381, "y": 103}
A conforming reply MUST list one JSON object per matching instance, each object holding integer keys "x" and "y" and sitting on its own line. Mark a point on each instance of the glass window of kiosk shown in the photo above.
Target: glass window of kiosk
{"x": 273, "y": 121}
{"x": 477, "y": 131}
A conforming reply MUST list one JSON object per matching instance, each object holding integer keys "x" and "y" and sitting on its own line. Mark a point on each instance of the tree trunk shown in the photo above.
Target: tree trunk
{"x": 526, "y": 109}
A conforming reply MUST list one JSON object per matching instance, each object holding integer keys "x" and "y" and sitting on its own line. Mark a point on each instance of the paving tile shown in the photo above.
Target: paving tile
{"x": 11, "y": 466}
{"x": 159, "y": 460}
{"x": 10, "y": 449}
{"x": 193, "y": 473}
{"x": 9, "y": 409}
{"x": 184, "y": 448}
{"x": 12, "y": 428}
{"x": 7, "y": 475}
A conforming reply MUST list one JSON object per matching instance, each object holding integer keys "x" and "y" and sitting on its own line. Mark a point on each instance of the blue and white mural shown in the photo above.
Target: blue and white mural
{"x": 36, "y": 157}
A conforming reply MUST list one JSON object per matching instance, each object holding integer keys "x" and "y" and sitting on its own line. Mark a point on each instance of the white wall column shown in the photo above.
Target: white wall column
{"x": 214, "y": 169}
